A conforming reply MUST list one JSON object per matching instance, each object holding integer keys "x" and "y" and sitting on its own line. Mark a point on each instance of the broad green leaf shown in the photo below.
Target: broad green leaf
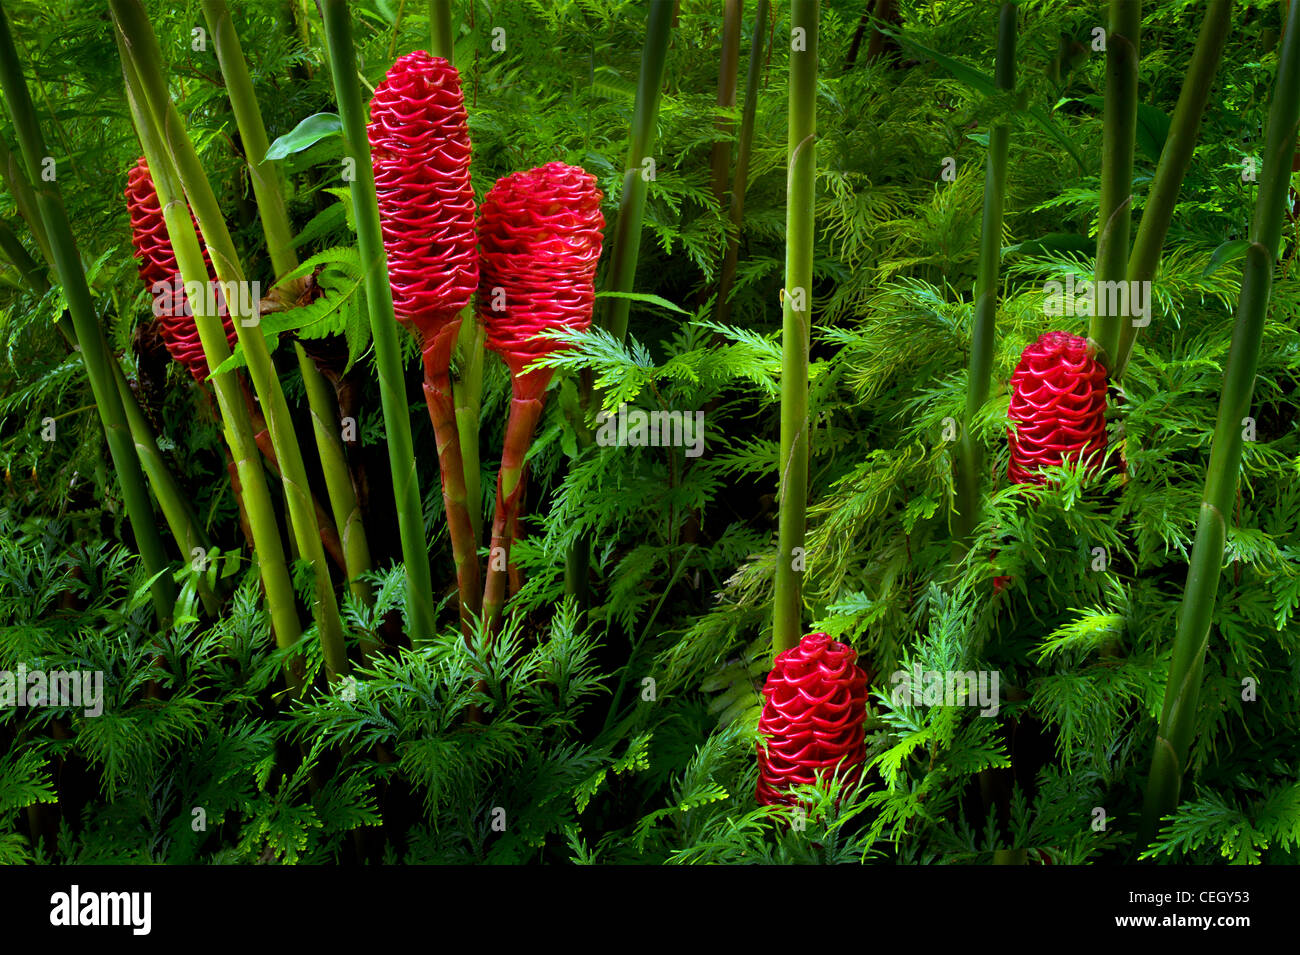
{"x": 1152, "y": 126}
{"x": 1232, "y": 249}
{"x": 307, "y": 133}
{"x": 1053, "y": 242}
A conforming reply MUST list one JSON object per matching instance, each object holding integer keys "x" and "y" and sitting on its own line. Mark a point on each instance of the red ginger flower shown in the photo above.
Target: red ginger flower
{"x": 814, "y": 716}
{"x": 158, "y": 269}
{"x": 541, "y": 236}
{"x": 1059, "y": 404}
{"x": 419, "y": 143}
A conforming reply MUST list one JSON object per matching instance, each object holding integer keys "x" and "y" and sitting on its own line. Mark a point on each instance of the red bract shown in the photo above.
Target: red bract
{"x": 419, "y": 144}
{"x": 814, "y": 716}
{"x": 157, "y": 265}
{"x": 541, "y": 236}
{"x": 1058, "y": 401}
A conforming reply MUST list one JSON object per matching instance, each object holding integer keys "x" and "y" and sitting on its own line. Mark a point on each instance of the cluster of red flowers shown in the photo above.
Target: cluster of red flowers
{"x": 1058, "y": 402}
{"x": 814, "y": 716}
{"x": 157, "y": 265}
{"x": 541, "y": 240}
{"x": 419, "y": 142}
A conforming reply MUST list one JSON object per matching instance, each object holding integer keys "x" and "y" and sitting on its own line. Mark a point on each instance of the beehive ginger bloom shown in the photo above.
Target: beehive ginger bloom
{"x": 541, "y": 234}
{"x": 814, "y": 718}
{"x": 156, "y": 261}
{"x": 420, "y": 152}
{"x": 1058, "y": 402}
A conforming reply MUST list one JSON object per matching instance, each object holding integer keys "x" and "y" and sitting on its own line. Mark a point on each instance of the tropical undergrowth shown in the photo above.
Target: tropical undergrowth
{"x": 624, "y": 731}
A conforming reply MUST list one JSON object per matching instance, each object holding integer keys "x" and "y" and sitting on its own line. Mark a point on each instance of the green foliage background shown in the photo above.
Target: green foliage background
{"x": 628, "y": 734}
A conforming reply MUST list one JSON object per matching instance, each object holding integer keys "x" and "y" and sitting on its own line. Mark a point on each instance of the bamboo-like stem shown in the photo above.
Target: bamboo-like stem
{"x": 467, "y": 388}
{"x": 627, "y": 229}
{"x": 625, "y": 245}
{"x": 728, "y": 68}
{"x": 970, "y": 453}
{"x": 29, "y": 270}
{"x": 383, "y": 323}
{"x": 525, "y": 412}
{"x": 329, "y": 535}
{"x": 1119, "y": 134}
{"x": 338, "y": 478}
{"x": 247, "y": 477}
{"x": 90, "y": 336}
{"x": 512, "y": 533}
{"x": 1179, "y": 710}
{"x": 177, "y": 511}
{"x": 142, "y": 44}
{"x": 20, "y": 188}
{"x": 887, "y": 12}
{"x": 740, "y": 179}
{"x": 442, "y": 42}
{"x": 792, "y": 488}
{"x": 442, "y": 412}
{"x": 1175, "y": 158}
{"x": 265, "y": 177}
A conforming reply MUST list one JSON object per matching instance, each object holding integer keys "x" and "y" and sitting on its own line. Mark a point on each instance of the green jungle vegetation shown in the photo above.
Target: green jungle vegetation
{"x": 831, "y": 229}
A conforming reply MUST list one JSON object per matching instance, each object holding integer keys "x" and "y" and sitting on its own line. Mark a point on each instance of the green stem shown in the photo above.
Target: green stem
{"x": 25, "y": 199}
{"x": 1175, "y": 158}
{"x": 302, "y": 512}
{"x": 338, "y": 478}
{"x": 267, "y": 189}
{"x": 467, "y": 388}
{"x": 441, "y": 39}
{"x": 525, "y": 412}
{"x": 262, "y": 434}
{"x": 1178, "y": 714}
{"x": 728, "y": 68}
{"x": 29, "y": 270}
{"x": 90, "y": 336}
{"x": 143, "y": 46}
{"x": 627, "y": 228}
{"x": 379, "y": 298}
{"x": 626, "y": 242}
{"x": 442, "y": 412}
{"x": 253, "y": 491}
{"x": 740, "y": 181}
{"x": 181, "y": 520}
{"x": 468, "y": 392}
{"x": 970, "y": 454}
{"x": 792, "y": 489}
{"x": 1119, "y": 133}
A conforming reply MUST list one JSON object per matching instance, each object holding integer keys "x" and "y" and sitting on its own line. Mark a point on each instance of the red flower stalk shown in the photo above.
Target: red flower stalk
{"x": 419, "y": 146}
{"x": 541, "y": 234}
{"x": 1058, "y": 401}
{"x": 157, "y": 264}
{"x": 814, "y": 718}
